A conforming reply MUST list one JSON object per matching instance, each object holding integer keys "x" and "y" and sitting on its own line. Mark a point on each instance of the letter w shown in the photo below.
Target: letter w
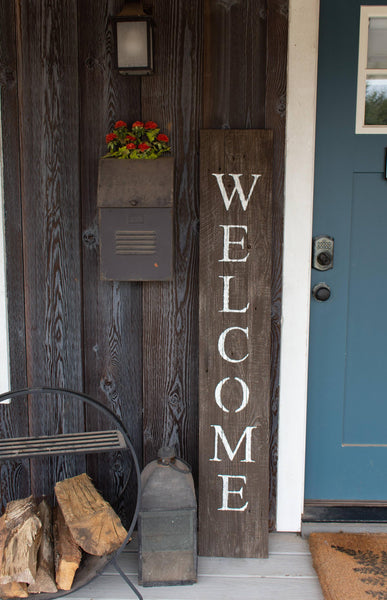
{"x": 237, "y": 188}
{"x": 219, "y": 433}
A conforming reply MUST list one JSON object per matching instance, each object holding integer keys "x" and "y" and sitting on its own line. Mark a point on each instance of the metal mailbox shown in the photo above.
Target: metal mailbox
{"x": 135, "y": 205}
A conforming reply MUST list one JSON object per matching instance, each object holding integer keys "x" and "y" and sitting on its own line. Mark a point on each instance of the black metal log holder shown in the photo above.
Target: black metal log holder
{"x": 84, "y": 443}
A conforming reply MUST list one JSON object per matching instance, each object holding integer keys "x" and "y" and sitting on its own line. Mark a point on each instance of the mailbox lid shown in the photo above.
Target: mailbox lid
{"x": 135, "y": 183}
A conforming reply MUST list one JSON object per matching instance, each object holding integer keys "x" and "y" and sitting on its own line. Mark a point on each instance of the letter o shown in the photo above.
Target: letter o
{"x": 245, "y": 394}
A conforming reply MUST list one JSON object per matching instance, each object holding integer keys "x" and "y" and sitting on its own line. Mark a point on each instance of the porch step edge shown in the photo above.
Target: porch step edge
{"x": 309, "y": 527}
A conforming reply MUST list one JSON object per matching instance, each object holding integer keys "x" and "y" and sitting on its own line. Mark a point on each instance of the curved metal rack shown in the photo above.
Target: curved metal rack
{"x": 86, "y": 443}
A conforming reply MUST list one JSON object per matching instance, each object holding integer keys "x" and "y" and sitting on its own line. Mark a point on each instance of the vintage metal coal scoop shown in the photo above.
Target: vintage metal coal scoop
{"x": 167, "y": 523}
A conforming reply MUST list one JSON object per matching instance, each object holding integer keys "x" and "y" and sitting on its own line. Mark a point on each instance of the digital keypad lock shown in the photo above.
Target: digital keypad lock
{"x": 322, "y": 252}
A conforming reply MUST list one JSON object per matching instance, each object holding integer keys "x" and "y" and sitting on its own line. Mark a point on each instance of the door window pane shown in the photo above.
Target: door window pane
{"x": 371, "y": 104}
{"x": 376, "y": 100}
{"x": 377, "y": 43}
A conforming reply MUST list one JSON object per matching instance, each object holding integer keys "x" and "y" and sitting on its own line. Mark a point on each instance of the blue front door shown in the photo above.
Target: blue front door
{"x": 347, "y": 399}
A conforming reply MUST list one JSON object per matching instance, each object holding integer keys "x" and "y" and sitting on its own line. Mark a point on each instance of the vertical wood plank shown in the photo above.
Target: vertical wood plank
{"x": 275, "y": 113}
{"x": 172, "y": 98}
{"x": 112, "y": 311}
{"x": 14, "y": 476}
{"x": 234, "y": 64}
{"x": 236, "y": 523}
{"x": 50, "y": 207}
{"x": 264, "y": 73}
{"x": 12, "y": 196}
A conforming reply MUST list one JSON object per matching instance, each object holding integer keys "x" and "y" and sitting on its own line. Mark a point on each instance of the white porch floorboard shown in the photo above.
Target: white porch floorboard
{"x": 287, "y": 574}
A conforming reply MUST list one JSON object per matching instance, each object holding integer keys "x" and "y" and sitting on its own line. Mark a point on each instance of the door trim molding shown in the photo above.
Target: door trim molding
{"x": 299, "y": 179}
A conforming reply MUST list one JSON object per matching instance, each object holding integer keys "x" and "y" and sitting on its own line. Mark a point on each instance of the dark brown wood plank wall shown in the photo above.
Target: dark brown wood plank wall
{"x": 234, "y": 64}
{"x": 275, "y": 113}
{"x": 172, "y": 97}
{"x": 112, "y": 311}
{"x": 13, "y": 419}
{"x": 49, "y": 153}
{"x": 78, "y": 330}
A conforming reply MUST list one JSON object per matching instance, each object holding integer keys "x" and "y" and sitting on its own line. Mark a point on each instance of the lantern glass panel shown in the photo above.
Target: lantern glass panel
{"x": 132, "y": 44}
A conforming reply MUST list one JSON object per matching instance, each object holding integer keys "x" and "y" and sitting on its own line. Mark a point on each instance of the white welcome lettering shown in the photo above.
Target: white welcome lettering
{"x": 226, "y": 492}
{"x": 245, "y": 394}
{"x": 226, "y": 296}
{"x": 227, "y": 242}
{"x": 222, "y": 340}
{"x": 219, "y": 433}
{"x": 237, "y": 188}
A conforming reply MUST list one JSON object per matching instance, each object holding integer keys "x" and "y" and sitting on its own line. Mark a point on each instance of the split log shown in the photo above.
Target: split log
{"x": 18, "y": 511}
{"x": 44, "y": 580}
{"x": 22, "y": 543}
{"x": 67, "y": 553}
{"x": 13, "y": 589}
{"x": 92, "y": 521}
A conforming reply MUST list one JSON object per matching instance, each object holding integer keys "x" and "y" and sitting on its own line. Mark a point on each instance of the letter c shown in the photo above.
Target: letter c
{"x": 222, "y": 340}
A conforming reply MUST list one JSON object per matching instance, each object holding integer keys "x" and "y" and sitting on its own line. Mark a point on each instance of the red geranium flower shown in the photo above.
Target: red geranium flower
{"x": 110, "y": 137}
{"x": 141, "y": 140}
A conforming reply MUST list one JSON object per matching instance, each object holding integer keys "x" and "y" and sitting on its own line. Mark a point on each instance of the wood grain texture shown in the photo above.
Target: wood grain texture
{"x": 22, "y": 543}
{"x": 66, "y": 551}
{"x": 286, "y": 575}
{"x": 48, "y": 103}
{"x": 81, "y": 332}
{"x": 275, "y": 107}
{"x": 45, "y": 572}
{"x": 234, "y": 66}
{"x": 12, "y": 192}
{"x": 112, "y": 311}
{"x": 172, "y": 98}
{"x": 94, "y": 525}
{"x": 13, "y": 419}
{"x": 245, "y": 86}
{"x": 224, "y": 529}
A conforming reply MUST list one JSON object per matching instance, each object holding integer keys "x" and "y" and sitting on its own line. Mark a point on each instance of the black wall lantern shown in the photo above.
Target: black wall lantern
{"x": 134, "y": 40}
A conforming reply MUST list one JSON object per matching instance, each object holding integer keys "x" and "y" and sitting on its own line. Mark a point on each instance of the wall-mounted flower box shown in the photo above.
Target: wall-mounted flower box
{"x": 135, "y": 202}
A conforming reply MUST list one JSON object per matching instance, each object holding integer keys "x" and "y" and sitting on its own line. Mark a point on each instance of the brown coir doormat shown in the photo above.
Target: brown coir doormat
{"x": 351, "y": 566}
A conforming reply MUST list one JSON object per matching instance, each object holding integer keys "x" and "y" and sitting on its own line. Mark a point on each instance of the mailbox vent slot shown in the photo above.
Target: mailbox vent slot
{"x": 135, "y": 242}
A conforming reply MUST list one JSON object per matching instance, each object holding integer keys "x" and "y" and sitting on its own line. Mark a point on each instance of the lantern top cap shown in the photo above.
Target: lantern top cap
{"x": 166, "y": 453}
{"x": 132, "y": 9}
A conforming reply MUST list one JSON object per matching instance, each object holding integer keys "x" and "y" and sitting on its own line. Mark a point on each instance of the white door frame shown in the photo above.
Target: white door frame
{"x": 299, "y": 179}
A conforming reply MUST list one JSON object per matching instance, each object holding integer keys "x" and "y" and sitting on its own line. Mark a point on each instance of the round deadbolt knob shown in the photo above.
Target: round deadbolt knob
{"x": 321, "y": 292}
{"x": 324, "y": 258}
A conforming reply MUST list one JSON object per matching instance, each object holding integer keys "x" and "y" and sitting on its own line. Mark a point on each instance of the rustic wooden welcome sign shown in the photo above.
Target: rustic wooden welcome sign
{"x": 234, "y": 329}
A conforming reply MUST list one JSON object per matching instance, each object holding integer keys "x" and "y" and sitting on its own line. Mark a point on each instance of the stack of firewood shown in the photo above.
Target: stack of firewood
{"x": 41, "y": 548}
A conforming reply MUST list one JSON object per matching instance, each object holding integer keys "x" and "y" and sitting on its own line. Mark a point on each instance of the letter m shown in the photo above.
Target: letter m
{"x": 237, "y": 188}
{"x": 246, "y": 435}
